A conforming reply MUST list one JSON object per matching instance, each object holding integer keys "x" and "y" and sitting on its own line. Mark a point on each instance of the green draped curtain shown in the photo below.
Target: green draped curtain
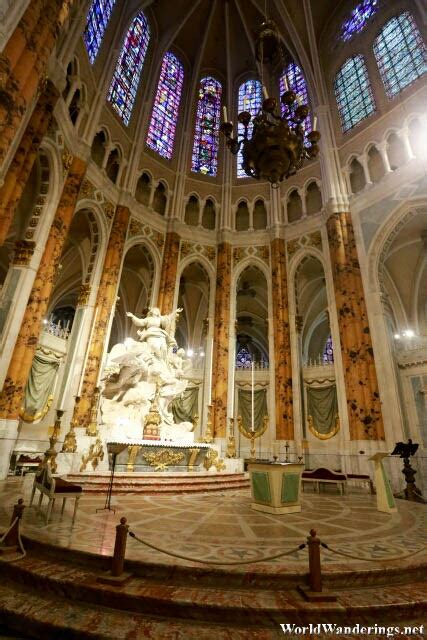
{"x": 260, "y": 407}
{"x": 40, "y": 385}
{"x": 186, "y": 405}
{"x": 322, "y": 406}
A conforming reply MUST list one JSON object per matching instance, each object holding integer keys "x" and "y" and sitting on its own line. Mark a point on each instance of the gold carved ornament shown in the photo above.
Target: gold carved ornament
{"x": 324, "y": 436}
{"x": 94, "y": 455}
{"x": 252, "y": 435}
{"x": 212, "y": 460}
{"x": 160, "y": 460}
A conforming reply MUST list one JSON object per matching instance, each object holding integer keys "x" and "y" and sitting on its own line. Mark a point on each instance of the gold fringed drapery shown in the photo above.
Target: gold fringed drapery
{"x": 322, "y": 411}
{"x": 40, "y": 385}
{"x": 260, "y": 407}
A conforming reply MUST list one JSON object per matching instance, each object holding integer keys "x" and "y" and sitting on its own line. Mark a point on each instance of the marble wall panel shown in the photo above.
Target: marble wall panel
{"x": 282, "y": 342}
{"x": 168, "y": 274}
{"x": 363, "y": 399}
{"x": 105, "y": 302}
{"x": 12, "y": 394}
{"x": 221, "y": 339}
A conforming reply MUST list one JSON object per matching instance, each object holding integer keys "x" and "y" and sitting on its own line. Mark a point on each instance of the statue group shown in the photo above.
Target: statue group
{"x": 140, "y": 371}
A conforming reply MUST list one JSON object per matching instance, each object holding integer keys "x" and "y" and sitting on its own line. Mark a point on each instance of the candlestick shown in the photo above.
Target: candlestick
{"x": 210, "y": 374}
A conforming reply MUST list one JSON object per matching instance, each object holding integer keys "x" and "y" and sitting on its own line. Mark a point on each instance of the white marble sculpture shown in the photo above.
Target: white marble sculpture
{"x": 134, "y": 370}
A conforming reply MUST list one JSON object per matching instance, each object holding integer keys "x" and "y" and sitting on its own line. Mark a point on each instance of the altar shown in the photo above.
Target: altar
{"x": 161, "y": 455}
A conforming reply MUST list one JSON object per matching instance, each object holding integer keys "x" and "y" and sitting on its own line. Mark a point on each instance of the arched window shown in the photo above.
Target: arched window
{"x": 358, "y": 19}
{"x": 328, "y": 351}
{"x": 161, "y": 132}
{"x": 126, "y": 77}
{"x": 206, "y": 135}
{"x": 243, "y": 359}
{"x": 353, "y": 92}
{"x": 296, "y": 82}
{"x": 96, "y": 22}
{"x": 250, "y": 99}
{"x": 400, "y": 53}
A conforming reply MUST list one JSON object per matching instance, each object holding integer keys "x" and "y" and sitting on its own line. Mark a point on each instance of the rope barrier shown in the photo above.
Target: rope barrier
{"x": 21, "y": 546}
{"x": 349, "y": 555}
{"x": 216, "y": 562}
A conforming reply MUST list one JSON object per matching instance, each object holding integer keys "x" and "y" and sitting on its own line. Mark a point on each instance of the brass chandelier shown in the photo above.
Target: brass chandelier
{"x": 276, "y": 146}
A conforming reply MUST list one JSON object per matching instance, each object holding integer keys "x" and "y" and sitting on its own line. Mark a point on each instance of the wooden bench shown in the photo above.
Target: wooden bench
{"x": 359, "y": 478}
{"x": 322, "y": 475}
{"x": 54, "y": 488}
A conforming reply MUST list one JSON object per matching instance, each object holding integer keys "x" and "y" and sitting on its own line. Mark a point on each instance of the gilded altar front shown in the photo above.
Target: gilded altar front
{"x": 165, "y": 456}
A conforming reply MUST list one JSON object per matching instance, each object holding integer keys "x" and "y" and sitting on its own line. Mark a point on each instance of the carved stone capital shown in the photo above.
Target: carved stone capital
{"x": 23, "y": 252}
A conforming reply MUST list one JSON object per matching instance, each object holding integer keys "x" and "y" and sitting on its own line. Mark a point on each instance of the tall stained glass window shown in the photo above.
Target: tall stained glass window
{"x": 250, "y": 99}
{"x": 296, "y": 82}
{"x": 96, "y": 22}
{"x": 353, "y": 92}
{"x": 124, "y": 84}
{"x": 400, "y": 53}
{"x": 206, "y": 137}
{"x": 161, "y": 132}
{"x": 358, "y": 19}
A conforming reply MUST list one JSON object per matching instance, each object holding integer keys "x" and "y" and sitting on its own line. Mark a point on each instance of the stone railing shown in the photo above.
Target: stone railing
{"x": 411, "y": 351}
{"x": 56, "y": 330}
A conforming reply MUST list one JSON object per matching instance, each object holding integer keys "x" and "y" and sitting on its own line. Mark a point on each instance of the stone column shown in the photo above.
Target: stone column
{"x": 282, "y": 342}
{"x": 105, "y": 303}
{"x": 363, "y": 399}
{"x": 169, "y": 269}
{"x": 25, "y": 156}
{"x": 23, "y": 63}
{"x": 12, "y": 394}
{"x": 221, "y": 340}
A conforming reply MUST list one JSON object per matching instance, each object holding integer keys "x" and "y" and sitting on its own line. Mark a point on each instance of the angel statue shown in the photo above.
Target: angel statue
{"x": 157, "y": 331}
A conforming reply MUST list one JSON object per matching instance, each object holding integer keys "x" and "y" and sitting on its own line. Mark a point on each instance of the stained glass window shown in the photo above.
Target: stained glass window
{"x": 243, "y": 359}
{"x": 96, "y": 22}
{"x": 400, "y": 53}
{"x": 126, "y": 77}
{"x": 161, "y": 132}
{"x": 250, "y": 99}
{"x": 206, "y": 138}
{"x": 358, "y": 19}
{"x": 328, "y": 351}
{"x": 353, "y": 92}
{"x": 296, "y": 82}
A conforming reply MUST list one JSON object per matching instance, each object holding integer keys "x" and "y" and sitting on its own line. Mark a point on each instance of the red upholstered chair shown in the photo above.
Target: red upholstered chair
{"x": 54, "y": 488}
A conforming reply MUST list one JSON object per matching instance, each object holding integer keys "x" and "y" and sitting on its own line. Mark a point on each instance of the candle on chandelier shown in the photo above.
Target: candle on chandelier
{"x": 285, "y": 83}
{"x": 224, "y": 112}
{"x": 265, "y": 92}
{"x": 315, "y": 123}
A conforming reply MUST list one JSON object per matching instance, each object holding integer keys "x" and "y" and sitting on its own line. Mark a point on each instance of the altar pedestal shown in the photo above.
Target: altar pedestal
{"x": 385, "y": 498}
{"x": 276, "y": 487}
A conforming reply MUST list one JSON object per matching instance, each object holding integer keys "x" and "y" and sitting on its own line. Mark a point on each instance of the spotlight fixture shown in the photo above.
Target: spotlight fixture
{"x": 275, "y": 146}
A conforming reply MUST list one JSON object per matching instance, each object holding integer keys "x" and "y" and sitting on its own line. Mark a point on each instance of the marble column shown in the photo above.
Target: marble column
{"x": 221, "y": 339}
{"x": 363, "y": 399}
{"x": 105, "y": 303}
{"x": 168, "y": 275}
{"x": 25, "y": 156}
{"x": 12, "y": 394}
{"x": 23, "y": 63}
{"x": 282, "y": 342}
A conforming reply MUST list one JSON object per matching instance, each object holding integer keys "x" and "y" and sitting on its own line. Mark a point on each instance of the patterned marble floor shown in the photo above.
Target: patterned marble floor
{"x": 223, "y": 527}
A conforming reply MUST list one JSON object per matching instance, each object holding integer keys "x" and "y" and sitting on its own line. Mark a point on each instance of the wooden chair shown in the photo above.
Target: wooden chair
{"x": 54, "y": 488}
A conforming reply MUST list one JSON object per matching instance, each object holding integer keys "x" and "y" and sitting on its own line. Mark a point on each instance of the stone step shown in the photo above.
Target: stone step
{"x": 248, "y": 608}
{"x": 178, "y": 483}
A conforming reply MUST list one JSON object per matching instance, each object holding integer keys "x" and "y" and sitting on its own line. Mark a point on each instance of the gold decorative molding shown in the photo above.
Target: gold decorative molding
{"x": 133, "y": 452}
{"x": 87, "y": 190}
{"x": 324, "y": 436}
{"x": 94, "y": 455}
{"x": 108, "y": 208}
{"x": 212, "y": 460}
{"x": 193, "y": 453}
{"x": 67, "y": 159}
{"x": 160, "y": 460}
{"x": 23, "y": 252}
